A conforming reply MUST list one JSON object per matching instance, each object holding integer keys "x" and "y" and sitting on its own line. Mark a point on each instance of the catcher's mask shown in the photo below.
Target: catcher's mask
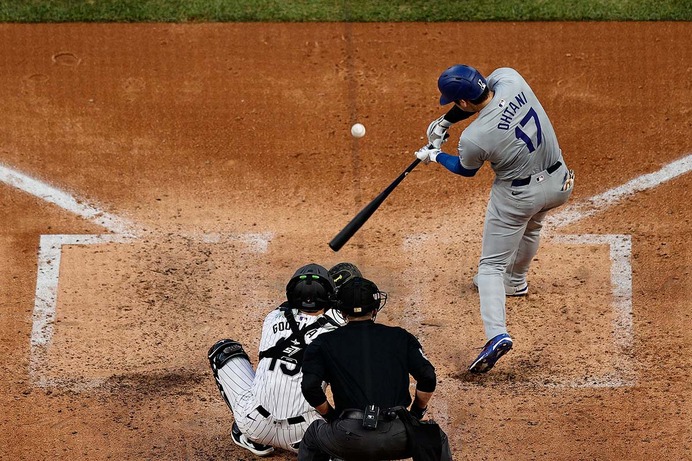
{"x": 358, "y": 297}
{"x": 460, "y": 82}
{"x": 311, "y": 289}
{"x": 343, "y": 272}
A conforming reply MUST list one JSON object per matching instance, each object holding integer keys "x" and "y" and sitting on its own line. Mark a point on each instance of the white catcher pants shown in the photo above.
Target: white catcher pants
{"x": 237, "y": 378}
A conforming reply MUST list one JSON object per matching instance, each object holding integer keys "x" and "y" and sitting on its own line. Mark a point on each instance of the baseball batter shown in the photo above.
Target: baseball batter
{"x": 513, "y": 133}
{"x": 267, "y": 403}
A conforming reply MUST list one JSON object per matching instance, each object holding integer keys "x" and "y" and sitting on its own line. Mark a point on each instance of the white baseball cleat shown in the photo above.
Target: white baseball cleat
{"x": 242, "y": 441}
{"x": 517, "y": 291}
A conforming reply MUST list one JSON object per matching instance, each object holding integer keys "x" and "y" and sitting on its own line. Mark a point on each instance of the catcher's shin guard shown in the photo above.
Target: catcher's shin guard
{"x": 219, "y": 354}
{"x": 223, "y": 351}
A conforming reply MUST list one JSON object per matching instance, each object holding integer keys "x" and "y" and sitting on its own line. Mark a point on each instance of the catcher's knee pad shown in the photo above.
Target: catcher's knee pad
{"x": 223, "y": 351}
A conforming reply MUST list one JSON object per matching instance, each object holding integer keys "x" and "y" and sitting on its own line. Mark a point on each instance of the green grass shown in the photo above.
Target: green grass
{"x": 341, "y": 10}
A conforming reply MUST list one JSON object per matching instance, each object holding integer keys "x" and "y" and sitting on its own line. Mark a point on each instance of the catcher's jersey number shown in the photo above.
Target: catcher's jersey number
{"x": 292, "y": 357}
{"x": 284, "y": 366}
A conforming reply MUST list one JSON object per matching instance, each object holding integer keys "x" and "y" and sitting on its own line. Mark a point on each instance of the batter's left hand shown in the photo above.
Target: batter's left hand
{"x": 427, "y": 154}
{"x": 437, "y": 132}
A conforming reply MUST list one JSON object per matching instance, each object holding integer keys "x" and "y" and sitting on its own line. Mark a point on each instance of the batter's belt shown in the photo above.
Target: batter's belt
{"x": 524, "y": 181}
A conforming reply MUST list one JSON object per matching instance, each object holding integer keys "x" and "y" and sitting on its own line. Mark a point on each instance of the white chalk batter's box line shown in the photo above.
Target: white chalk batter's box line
{"x": 50, "y": 252}
{"x": 621, "y": 282}
{"x": 48, "y": 277}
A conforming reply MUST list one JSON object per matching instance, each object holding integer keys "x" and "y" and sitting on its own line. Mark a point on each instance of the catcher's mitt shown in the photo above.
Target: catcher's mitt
{"x": 343, "y": 272}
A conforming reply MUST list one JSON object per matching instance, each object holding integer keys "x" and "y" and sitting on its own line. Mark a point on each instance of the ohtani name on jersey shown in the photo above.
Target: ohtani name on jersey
{"x": 510, "y": 111}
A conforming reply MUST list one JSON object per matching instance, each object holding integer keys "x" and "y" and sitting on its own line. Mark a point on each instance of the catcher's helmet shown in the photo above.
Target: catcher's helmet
{"x": 460, "y": 82}
{"x": 311, "y": 289}
{"x": 343, "y": 272}
{"x": 359, "y": 296}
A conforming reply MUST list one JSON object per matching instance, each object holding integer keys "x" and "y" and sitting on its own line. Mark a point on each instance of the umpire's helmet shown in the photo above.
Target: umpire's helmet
{"x": 358, "y": 297}
{"x": 343, "y": 272}
{"x": 311, "y": 289}
{"x": 460, "y": 82}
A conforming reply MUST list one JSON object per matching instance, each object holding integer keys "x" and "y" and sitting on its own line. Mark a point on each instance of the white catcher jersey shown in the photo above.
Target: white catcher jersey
{"x": 277, "y": 381}
{"x": 513, "y": 132}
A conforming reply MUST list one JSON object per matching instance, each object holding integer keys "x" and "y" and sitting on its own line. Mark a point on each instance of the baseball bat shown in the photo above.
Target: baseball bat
{"x": 367, "y": 211}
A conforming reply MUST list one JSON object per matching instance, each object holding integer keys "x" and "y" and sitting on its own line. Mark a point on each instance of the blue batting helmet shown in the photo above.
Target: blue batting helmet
{"x": 460, "y": 82}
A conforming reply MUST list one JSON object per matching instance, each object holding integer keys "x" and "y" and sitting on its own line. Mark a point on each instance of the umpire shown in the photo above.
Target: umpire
{"x": 367, "y": 366}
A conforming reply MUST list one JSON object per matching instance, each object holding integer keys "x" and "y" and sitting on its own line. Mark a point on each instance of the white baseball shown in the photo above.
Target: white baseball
{"x": 358, "y": 130}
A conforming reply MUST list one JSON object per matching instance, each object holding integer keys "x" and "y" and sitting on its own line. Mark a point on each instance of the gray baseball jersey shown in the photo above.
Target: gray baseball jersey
{"x": 273, "y": 389}
{"x": 513, "y": 132}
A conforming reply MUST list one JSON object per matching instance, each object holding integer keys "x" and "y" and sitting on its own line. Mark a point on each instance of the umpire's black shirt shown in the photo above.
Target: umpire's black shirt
{"x": 365, "y": 363}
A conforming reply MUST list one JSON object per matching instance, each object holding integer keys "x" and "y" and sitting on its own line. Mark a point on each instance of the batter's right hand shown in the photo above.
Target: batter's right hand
{"x": 437, "y": 132}
{"x": 427, "y": 154}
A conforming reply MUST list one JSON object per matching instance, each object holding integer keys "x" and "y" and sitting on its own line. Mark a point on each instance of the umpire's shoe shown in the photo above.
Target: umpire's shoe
{"x": 491, "y": 353}
{"x": 256, "y": 448}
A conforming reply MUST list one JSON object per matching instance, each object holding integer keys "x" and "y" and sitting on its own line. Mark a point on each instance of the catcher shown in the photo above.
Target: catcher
{"x": 267, "y": 404}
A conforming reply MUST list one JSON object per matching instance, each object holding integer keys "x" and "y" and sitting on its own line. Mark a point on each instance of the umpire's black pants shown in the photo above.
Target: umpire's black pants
{"x": 349, "y": 440}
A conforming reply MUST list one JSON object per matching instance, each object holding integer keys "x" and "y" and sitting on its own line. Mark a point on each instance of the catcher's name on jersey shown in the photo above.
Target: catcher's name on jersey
{"x": 511, "y": 110}
{"x": 283, "y": 324}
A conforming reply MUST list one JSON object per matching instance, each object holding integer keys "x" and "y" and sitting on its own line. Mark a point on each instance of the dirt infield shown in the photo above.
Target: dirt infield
{"x": 207, "y": 162}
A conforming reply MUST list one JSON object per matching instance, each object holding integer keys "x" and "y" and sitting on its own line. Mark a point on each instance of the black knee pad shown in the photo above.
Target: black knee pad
{"x": 223, "y": 351}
